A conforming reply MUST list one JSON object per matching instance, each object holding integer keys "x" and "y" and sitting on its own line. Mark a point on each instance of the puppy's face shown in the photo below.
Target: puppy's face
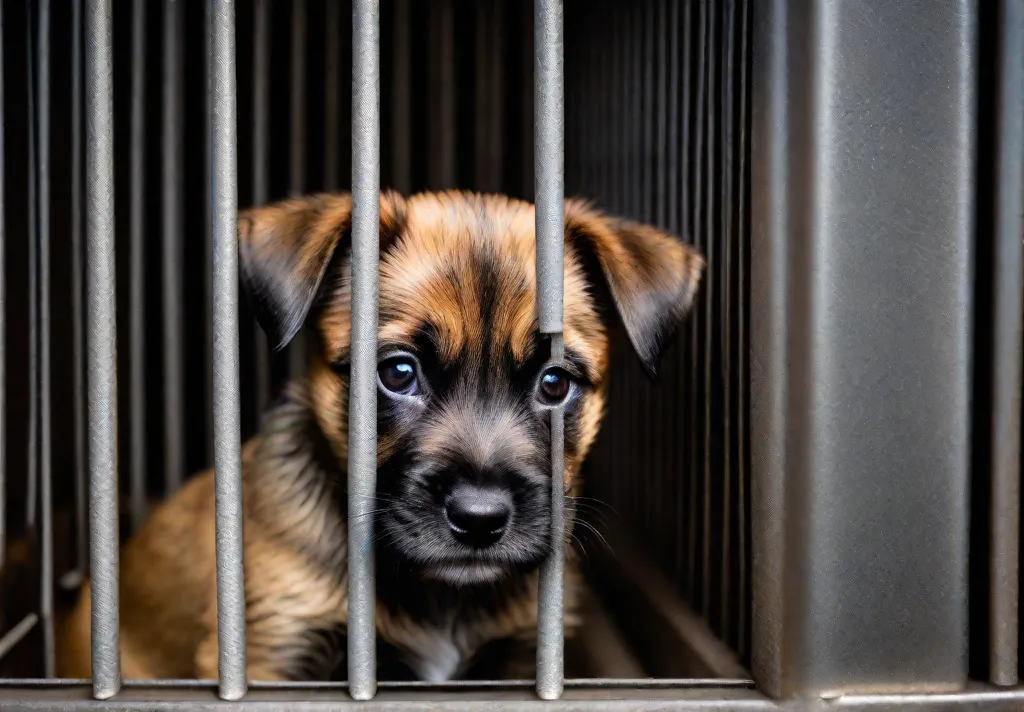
{"x": 466, "y": 384}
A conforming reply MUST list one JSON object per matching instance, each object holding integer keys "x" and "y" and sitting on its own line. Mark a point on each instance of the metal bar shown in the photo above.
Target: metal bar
{"x": 208, "y": 247}
{"x": 1007, "y": 285}
{"x": 743, "y": 348}
{"x": 297, "y": 100}
{"x": 172, "y": 246}
{"x": 227, "y": 438}
{"x": 861, "y": 343}
{"x": 17, "y": 634}
{"x": 362, "y": 419}
{"x": 77, "y": 310}
{"x": 693, "y": 152}
{"x": 332, "y": 95}
{"x": 298, "y": 349}
{"x": 102, "y": 340}
{"x": 261, "y": 165}
{"x": 442, "y": 95}
{"x": 549, "y": 182}
{"x": 3, "y": 320}
{"x": 136, "y": 270}
{"x": 401, "y": 101}
{"x": 45, "y": 380}
{"x": 32, "y": 490}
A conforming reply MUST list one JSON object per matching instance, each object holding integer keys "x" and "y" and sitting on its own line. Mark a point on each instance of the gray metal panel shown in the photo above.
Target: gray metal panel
{"x": 1007, "y": 284}
{"x": 227, "y": 442}
{"x": 362, "y": 412}
{"x": 102, "y": 347}
{"x": 864, "y": 121}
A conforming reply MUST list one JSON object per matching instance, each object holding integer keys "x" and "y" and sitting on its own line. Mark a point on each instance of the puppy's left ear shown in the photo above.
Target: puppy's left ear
{"x": 650, "y": 276}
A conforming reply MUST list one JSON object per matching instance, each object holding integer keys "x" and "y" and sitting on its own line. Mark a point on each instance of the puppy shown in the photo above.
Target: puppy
{"x": 465, "y": 385}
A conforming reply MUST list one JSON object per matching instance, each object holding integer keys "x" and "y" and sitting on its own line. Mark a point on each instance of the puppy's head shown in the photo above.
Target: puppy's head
{"x": 465, "y": 382}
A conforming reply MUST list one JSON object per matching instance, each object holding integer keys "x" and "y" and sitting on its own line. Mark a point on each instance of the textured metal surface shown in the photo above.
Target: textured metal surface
{"x": 46, "y": 586}
{"x": 171, "y": 244}
{"x": 362, "y": 411}
{"x": 136, "y": 270}
{"x": 102, "y": 349}
{"x": 549, "y": 167}
{"x": 549, "y": 181}
{"x": 862, "y": 210}
{"x": 1007, "y": 285}
{"x": 227, "y": 452}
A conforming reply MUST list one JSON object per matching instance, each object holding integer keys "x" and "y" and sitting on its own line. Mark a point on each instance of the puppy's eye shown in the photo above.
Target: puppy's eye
{"x": 398, "y": 375}
{"x": 555, "y": 385}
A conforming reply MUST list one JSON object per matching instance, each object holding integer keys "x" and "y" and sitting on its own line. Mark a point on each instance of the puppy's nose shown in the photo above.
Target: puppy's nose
{"x": 478, "y": 516}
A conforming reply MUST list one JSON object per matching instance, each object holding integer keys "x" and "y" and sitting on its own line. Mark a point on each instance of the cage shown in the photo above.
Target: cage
{"x": 815, "y": 504}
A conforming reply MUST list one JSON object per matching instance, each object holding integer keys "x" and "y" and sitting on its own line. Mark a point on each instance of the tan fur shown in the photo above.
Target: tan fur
{"x": 294, "y": 538}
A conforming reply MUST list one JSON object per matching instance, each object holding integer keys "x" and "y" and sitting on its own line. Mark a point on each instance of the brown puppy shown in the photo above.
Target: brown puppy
{"x": 464, "y": 387}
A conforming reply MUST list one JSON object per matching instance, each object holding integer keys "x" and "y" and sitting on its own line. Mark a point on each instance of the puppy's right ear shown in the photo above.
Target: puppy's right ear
{"x": 286, "y": 248}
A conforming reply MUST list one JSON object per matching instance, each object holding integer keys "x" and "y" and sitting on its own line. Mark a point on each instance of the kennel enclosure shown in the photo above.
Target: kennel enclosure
{"x": 826, "y": 479}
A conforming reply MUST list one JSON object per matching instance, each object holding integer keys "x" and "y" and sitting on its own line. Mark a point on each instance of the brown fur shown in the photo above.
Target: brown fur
{"x": 295, "y": 262}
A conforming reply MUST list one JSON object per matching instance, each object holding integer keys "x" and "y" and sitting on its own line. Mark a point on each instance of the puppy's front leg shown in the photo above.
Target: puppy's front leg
{"x": 294, "y": 622}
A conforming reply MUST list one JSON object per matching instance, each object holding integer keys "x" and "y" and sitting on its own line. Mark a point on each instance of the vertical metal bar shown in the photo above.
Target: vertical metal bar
{"x": 208, "y": 247}
{"x": 401, "y": 101}
{"x": 261, "y": 165}
{"x": 698, "y": 187}
{"x": 136, "y": 269}
{"x": 297, "y": 100}
{"x": 442, "y": 95}
{"x": 742, "y": 322}
{"x": 489, "y": 86}
{"x": 3, "y": 320}
{"x": 45, "y": 381}
{"x": 549, "y": 182}
{"x": 172, "y": 258}
{"x": 726, "y": 324}
{"x": 32, "y": 491}
{"x": 332, "y": 100}
{"x": 172, "y": 246}
{"x": 1007, "y": 279}
{"x": 298, "y": 349}
{"x": 227, "y": 448}
{"x": 77, "y": 311}
{"x": 362, "y": 419}
{"x": 708, "y": 289}
{"x": 102, "y": 340}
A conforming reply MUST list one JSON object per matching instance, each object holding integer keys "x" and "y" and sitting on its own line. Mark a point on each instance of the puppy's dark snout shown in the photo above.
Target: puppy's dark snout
{"x": 478, "y": 516}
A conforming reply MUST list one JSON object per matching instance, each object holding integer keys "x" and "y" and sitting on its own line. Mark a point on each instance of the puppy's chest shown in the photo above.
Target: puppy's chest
{"x": 437, "y": 652}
